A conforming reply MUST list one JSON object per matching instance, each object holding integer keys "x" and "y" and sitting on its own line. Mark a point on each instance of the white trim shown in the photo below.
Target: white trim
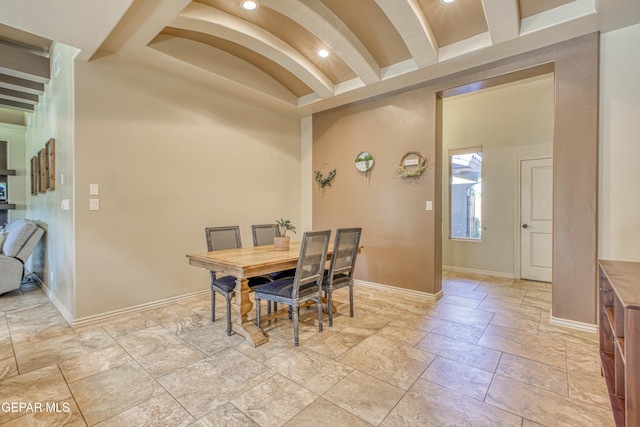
{"x": 395, "y": 289}
{"x": 482, "y": 272}
{"x": 66, "y": 314}
{"x": 580, "y": 326}
{"x": 135, "y": 308}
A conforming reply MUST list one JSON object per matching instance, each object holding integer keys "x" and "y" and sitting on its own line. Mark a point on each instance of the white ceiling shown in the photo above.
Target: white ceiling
{"x": 270, "y": 54}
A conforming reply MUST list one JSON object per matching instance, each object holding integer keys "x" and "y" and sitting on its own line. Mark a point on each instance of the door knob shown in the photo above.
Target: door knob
{"x": 527, "y": 226}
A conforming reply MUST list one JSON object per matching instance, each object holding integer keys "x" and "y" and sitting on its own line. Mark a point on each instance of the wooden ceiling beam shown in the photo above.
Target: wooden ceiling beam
{"x": 23, "y": 64}
{"x": 21, "y": 85}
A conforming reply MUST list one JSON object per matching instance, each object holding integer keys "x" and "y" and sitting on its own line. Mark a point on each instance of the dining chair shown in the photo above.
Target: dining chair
{"x": 343, "y": 261}
{"x": 263, "y": 234}
{"x": 305, "y": 285}
{"x": 221, "y": 238}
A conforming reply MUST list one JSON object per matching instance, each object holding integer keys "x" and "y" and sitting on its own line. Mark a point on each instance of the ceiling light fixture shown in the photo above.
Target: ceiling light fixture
{"x": 323, "y": 53}
{"x": 447, "y": 1}
{"x": 249, "y": 5}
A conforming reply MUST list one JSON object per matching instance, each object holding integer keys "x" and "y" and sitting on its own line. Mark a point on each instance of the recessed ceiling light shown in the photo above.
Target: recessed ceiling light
{"x": 447, "y": 1}
{"x": 323, "y": 53}
{"x": 249, "y": 4}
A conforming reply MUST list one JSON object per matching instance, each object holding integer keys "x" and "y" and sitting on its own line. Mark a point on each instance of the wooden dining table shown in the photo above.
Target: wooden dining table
{"x": 243, "y": 263}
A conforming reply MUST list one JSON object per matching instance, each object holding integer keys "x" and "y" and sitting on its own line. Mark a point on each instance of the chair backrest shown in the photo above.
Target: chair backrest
{"x": 345, "y": 251}
{"x": 263, "y": 234}
{"x": 221, "y": 238}
{"x": 313, "y": 254}
{"x": 22, "y": 238}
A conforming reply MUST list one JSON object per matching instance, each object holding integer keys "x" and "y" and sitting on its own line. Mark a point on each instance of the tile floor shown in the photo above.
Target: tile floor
{"x": 484, "y": 355}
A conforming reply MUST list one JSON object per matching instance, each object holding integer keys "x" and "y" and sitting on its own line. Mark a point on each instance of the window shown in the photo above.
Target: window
{"x": 465, "y": 166}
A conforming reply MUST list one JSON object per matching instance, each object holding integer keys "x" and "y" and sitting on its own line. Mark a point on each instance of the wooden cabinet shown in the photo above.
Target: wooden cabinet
{"x": 619, "y": 312}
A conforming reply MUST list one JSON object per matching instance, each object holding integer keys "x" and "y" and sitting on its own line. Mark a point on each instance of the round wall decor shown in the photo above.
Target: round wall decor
{"x": 411, "y": 164}
{"x": 364, "y": 162}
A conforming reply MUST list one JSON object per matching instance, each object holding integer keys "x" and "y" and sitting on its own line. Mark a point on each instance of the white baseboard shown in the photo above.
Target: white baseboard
{"x": 52, "y": 297}
{"x": 481, "y": 272}
{"x": 395, "y": 289}
{"x": 572, "y": 324}
{"x": 117, "y": 313}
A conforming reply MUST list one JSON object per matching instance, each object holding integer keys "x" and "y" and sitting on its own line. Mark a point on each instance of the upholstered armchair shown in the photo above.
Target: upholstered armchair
{"x": 21, "y": 239}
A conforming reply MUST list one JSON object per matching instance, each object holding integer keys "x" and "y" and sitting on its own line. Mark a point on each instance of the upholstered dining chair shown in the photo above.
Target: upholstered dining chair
{"x": 305, "y": 285}
{"x": 343, "y": 262}
{"x": 221, "y": 238}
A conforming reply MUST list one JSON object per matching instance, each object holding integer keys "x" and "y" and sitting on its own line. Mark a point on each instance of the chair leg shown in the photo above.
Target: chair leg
{"x": 351, "y": 299}
{"x": 213, "y": 305}
{"x": 319, "y": 305}
{"x": 258, "y": 311}
{"x": 295, "y": 325}
{"x": 329, "y": 294}
{"x": 228, "y": 315}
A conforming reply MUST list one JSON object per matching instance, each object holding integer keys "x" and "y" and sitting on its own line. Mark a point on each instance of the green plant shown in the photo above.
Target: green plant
{"x": 285, "y": 225}
{"x": 325, "y": 181}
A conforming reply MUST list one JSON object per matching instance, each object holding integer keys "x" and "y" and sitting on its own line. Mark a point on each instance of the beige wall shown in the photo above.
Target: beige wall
{"x": 620, "y": 147}
{"x": 510, "y": 122}
{"x": 53, "y": 118}
{"x": 401, "y": 238}
{"x": 170, "y": 159}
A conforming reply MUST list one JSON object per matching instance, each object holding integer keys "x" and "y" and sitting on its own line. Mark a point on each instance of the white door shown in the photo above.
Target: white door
{"x": 536, "y": 219}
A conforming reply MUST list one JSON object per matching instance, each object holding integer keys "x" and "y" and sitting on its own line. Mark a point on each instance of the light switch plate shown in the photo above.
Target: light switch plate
{"x": 94, "y": 204}
{"x": 94, "y": 190}
{"x": 429, "y": 205}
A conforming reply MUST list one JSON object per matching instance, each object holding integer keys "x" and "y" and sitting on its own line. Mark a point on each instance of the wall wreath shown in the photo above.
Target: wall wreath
{"x": 324, "y": 182}
{"x": 411, "y": 164}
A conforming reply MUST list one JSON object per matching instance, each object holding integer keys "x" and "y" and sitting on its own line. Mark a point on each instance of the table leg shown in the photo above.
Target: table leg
{"x": 325, "y": 306}
{"x": 241, "y": 308}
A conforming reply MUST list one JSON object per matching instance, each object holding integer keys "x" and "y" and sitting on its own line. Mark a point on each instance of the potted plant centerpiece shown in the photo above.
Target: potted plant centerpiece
{"x": 281, "y": 243}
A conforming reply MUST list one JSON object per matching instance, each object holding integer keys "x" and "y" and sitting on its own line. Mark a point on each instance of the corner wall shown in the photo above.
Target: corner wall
{"x": 401, "y": 239}
{"x": 53, "y": 118}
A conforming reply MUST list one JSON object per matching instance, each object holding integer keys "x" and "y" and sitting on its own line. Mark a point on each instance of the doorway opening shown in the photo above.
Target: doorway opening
{"x": 511, "y": 119}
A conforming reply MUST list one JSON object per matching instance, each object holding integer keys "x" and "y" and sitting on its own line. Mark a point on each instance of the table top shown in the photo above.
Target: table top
{"x": 250, "y": 262}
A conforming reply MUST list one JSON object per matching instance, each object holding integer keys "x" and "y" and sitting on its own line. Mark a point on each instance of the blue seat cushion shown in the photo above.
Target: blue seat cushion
{"x": 283, "y": 288}
{"x": 226, "y": 283}
{"x": 337, "y": 278}
{"x": 283, "y": 274}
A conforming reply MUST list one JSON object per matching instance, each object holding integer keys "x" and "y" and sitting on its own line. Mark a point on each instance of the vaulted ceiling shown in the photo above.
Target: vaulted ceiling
{"x": 271, "y": 53}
